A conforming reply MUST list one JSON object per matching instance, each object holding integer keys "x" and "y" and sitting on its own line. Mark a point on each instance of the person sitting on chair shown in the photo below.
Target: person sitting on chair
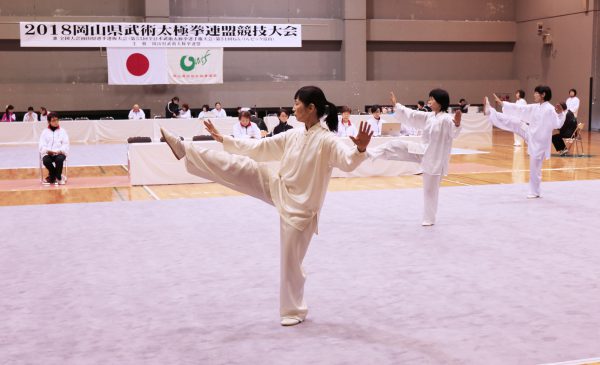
{"x": 54, "y": 146}
{"x": 567, "y": 129}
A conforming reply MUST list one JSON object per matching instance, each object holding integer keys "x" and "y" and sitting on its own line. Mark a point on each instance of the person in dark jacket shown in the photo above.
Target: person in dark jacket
{"x": 283, "y": 122}
{"x": 172, "y": 108}
{"x": 566, "y": 131}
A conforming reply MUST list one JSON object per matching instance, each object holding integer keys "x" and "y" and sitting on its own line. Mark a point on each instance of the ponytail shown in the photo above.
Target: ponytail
{"x": 331, "y": 118}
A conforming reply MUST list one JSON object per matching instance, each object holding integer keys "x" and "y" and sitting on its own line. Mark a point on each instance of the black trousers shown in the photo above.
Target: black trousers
{"x": 54, "y": 164}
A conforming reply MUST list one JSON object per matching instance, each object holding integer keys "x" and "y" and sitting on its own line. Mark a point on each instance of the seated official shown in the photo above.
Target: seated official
{"x": 567, "y": 129}
{"x": 284, "y": 116}
{"x": 245, "y": 128}
{"x": 205, "y": 113}
{"x": 54, "y": 146}
{"x": 218, "y": 111}
{"x": 136, "y": 113}
{"x": 185, "y": 112}
{"x": 375, "y": 121}
{"x": 30, "y": 116}
{"x": 345, "y": 127}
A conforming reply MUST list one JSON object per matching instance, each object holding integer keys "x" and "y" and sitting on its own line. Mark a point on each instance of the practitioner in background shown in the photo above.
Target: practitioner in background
{"x": 433, "y": 152}
{"x": 535, "y": 123}
{"x": 297, "y": 189}
{"x": 520, "y": 100}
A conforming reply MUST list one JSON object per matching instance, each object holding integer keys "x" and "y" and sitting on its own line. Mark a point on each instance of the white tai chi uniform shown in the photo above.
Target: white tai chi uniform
{"x": 518, "y": 141}
{"x": 297, "y": 189}
{"x": 137, "y": 115}
{"x": 433, "y": 152}
{"x": 219, "y": 113}
{"x": 535, "y": 123}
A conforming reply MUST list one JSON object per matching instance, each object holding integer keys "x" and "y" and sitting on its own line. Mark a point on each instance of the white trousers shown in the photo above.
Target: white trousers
{"x": 247, "y": 176}
{"x": 518, "y": 140}
{"x": 517, "y": 126}
{"x": 398, "y": 151}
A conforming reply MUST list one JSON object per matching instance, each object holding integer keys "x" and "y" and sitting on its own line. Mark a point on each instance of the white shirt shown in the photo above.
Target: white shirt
{"x": 542, "y": 120}
{"x": 137, "y": 115}
{"x": 219, "y": 113}
{"x": 205, "y": 114}
{"x": 33, "y": 117}
{"x": 57, "y": 140}
{"x": 375, "y": 126}
{"x": 346, "y": 130}
{"x": 185, "y": 114}
{"x": 307, "y": 158}
{"x": 251, "y": 131}
{"x": 573, "y": 104}
{"x": 436, "y": 139}
{"x": 44, "y": 118}
{"x": 521, "y": 101}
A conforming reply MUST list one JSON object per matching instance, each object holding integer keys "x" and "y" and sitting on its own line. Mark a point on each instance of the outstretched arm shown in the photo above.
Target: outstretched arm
{"x": 347, "y": 159}
{"x": 407, "y": 116}
{"x": 266, "y": 149}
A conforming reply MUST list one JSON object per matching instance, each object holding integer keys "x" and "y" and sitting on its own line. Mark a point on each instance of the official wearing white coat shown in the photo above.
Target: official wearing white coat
{"x": 245, "y": 128}
{"x": 375, "y": 121}
{"x": 433, "y": 152}
{"x": 297, "y": 189}
{"x": 573, "y": 102}
{"x": 218, "y": 111}
{"x": 54, "y": 147}
{"x": 535, "y": 123}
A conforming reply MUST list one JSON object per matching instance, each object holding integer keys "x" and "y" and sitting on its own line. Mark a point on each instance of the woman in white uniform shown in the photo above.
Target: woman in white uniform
{"x": 297, "y": 189}
{"x": 535, "y": 123}
{"x": 433, "y": 152}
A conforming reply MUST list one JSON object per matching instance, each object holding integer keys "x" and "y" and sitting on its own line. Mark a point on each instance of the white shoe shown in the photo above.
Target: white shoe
{"x": 426, "y": 224}
{"x": 290, "y": 321}
{"x": 174, "y": 142}
{"x": 532, "y": 196}
{"x": 62, "y": 181}
{"x": 516, "y": 144}
{"x": 486, "y": 106}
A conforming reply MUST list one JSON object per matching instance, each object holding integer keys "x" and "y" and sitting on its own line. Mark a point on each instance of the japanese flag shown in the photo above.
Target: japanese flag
{"x": 137, "y": 66}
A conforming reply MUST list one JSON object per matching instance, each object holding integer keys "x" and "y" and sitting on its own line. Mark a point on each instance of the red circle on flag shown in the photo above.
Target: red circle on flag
{"x": 137, "y": 64}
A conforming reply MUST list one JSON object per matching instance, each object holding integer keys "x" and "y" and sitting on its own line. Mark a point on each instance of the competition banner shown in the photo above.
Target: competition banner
{"x": 150, "y": 66}
{"x": 159, "y": 35}
{"x": 195, "y": 65}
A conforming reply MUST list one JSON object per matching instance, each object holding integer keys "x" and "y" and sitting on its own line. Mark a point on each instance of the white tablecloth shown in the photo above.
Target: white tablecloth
{"x": 111, "y": 131}
{"x": 154, "y": 164}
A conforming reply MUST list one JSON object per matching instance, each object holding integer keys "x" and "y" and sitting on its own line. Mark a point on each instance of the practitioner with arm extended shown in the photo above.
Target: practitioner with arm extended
{"x": 433, "y": 152}
{"x": 297, "y": 189}
{"x": 535, "y": 123}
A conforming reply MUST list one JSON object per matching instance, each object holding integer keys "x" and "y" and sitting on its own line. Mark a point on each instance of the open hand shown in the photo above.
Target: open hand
{"x": 393, "y": 98}
{"x": 457, "y": 118}
{"x": 213, "y": 131}
{"x": 363, "y": 137}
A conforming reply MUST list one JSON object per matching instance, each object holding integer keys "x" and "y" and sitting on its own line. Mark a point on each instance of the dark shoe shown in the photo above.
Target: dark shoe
{"x": 48, "y": 181}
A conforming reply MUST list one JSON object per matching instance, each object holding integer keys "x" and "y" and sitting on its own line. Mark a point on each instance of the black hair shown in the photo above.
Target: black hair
{"x": 51, "y": 116}
{"x": 574, "y": 92}
{"x": 30, "y": 109}
{"x": 563, "y": 105}
{"x": 185, "y": 106}
{"x": 461, "y": 100}
{"x": 206, "y": 106}
{"x": 346, "y": 109}
{"x": 421, "y": 103}
{"x": 441, "y": 97}
{"x": 218, "y": 102}
{"x": 543, "y": 89}
{"x": 313, "y": 95}
{"x": 375, "y": 108}
{"x": 9, "y": 107}
{"x": 175, "y": 98}
{"x": 521, "y": 93}
{"x": 283, "y": 110}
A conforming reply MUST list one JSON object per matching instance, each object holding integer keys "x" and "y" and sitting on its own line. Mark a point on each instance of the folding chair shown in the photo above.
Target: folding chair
{"x": 576, "y": 140}
{"x": 42, "y": 168}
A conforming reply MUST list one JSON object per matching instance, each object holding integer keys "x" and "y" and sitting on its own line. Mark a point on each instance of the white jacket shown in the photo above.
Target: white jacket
{"x": 436, "y": 141}
{"x": 251, "y": 131}
{"x": 57, "y": 141}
